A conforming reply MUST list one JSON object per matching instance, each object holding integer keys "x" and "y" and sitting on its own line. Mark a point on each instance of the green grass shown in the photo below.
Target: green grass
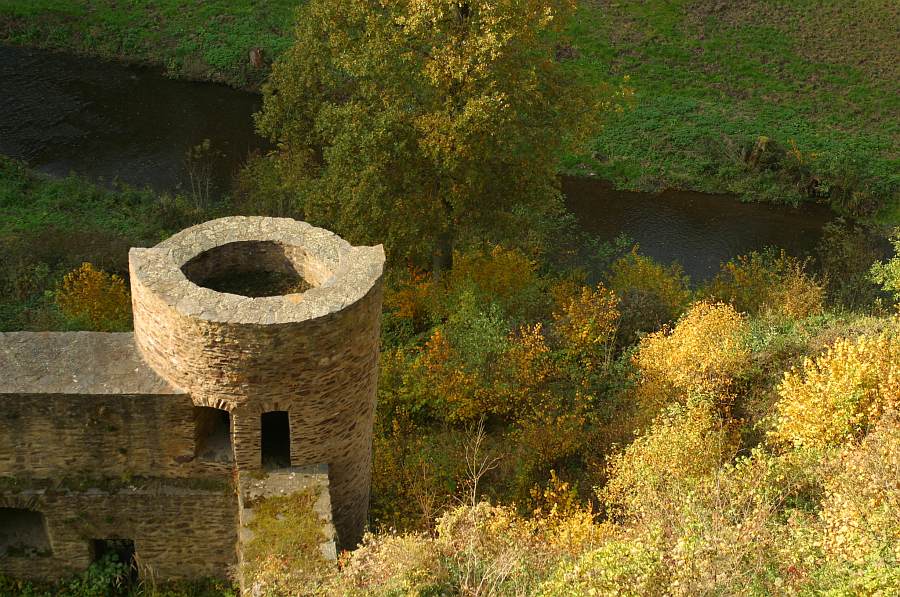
{"x": 710, "y": 77}
{"x": 50, "y": 226}
{"x": 211, "y": 39}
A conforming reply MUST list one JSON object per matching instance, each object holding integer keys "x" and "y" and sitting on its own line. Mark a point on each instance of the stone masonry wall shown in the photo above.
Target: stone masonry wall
{"x": 177, "y": 532}
{"x": 48, "y": 436}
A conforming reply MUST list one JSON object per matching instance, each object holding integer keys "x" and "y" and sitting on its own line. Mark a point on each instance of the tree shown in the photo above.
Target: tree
{"x": 427, "y": 125}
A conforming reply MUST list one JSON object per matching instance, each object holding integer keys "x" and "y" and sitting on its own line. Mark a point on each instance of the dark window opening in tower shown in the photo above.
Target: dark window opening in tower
{"x": 212, "y": 434}
{"x": 276, "y": 440}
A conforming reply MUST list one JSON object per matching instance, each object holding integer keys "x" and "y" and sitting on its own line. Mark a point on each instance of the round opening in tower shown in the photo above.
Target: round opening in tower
{"x": 255, "y": 269}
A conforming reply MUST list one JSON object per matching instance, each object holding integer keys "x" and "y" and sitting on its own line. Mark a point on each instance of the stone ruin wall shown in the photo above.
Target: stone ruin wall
{"x": 120, "y": 436}
{"x": 103, "y": 448}
{"x": 178, "y": 532}
{"x": 313, "y": 355}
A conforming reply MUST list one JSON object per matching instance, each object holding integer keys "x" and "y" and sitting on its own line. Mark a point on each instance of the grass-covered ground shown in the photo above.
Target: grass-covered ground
{"x": 196, "y": 40}
{"x": 815, "y": 77}
{"x": 711, "y": 77}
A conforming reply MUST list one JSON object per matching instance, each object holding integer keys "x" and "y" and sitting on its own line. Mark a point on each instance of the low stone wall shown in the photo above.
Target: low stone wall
{"x": 86, "y": 405}
{"x": 178, "y": 532}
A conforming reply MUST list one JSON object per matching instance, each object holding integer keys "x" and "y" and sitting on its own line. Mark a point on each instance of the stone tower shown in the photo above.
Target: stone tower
{"x": 297, "y": 360}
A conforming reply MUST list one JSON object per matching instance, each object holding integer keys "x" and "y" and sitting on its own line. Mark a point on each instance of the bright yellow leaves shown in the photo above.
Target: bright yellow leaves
{"x": 769, "y": 281}
{"x": 702, "y": 355}
{"x": 861, "y": 512}
{"x": 839, "y": 395}
{"x": 586, "y": 324}
{"x": 683, "y": 446}
{"x": 96, "y": 299}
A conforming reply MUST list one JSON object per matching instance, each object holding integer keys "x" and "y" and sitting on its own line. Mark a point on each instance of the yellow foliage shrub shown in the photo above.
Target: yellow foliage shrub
{"x": 766, "y": 281}
{"x": 515, "y": 384}
{"x": 652, "y": 294}
{"x": 638, "y": 271}
{"x": 95, "y": 298}
{"x": 683, "y": 445}
{"x": 622, "y": 567}
{"x": 839, "y": 395}
{"x": 586, "y": 324}
{"x": 702, "y": 354}
{"x": 390, "y": 564}
{"x": 861, "y": 511}
{"x": 506, "y": 276}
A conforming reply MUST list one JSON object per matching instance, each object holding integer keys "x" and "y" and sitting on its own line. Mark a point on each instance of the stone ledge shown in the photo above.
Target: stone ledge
{"x": 87, "y": 363}
{"x": 351, "y": 271}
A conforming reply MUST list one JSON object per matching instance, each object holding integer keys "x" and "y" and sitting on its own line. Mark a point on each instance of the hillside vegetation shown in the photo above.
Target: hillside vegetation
{"x": 539, "y": 434}
{"x": 770, "y": 99}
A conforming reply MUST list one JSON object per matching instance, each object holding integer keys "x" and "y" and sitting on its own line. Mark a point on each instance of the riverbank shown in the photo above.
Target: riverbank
{"x": 772, "y": 103}
{"x": 209, "y": 41}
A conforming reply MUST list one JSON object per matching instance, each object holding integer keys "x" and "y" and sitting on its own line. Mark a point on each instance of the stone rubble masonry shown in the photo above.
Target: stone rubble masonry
{"x": 253, "y": 490}
{"x": 120, "y": 405}
{"x": 177, "y": 532}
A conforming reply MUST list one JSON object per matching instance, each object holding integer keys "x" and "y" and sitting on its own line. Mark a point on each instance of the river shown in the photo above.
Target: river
{"x": 109, "y": 121}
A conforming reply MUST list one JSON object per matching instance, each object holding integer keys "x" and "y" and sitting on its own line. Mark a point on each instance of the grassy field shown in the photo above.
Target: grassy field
{"x": 196, "y": 40}
{"x": 816, "y": 78}
{"x": 711, "y": 77}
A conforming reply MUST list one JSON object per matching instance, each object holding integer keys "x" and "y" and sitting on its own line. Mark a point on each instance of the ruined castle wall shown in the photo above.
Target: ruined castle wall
{"x": 46, "y": 436}
{"x": 85, "y": 405}
{"x": 178, "y": 532}
{"x": 74, "y": 436}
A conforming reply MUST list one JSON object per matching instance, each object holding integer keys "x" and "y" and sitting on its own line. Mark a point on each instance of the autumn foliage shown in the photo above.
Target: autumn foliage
{"x": 840, "y": 395}
{"x": 632, "y": 465}
{"x": 94, "y": 299}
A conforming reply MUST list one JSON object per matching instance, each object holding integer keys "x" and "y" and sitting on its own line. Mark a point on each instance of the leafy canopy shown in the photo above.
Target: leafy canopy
{"x": 426, "y": 125}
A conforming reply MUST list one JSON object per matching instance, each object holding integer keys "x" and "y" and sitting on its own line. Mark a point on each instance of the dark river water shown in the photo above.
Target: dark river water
{"x": 108, "y": 121}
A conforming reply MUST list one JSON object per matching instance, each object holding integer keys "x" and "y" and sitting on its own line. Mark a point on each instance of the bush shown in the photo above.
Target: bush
{"x": 651, "y": 294}
{"x": 91, "y": 298}
{"x": 506, "y": 277}
{"x": 682, "y": 446}
{"x": 260, "y": 190}
{"x": 768, "y": 281}
{"x": 390, "y": 564}
{"x": 626, "y": 567}
{"x": 586, "y": 325}
{"x": 887, "y": 273}
{"x": 846, "y": 254}
{"x": 839, "y": 395}
{"x": 861, "y": 511}
{"x": 703, "y": 354}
